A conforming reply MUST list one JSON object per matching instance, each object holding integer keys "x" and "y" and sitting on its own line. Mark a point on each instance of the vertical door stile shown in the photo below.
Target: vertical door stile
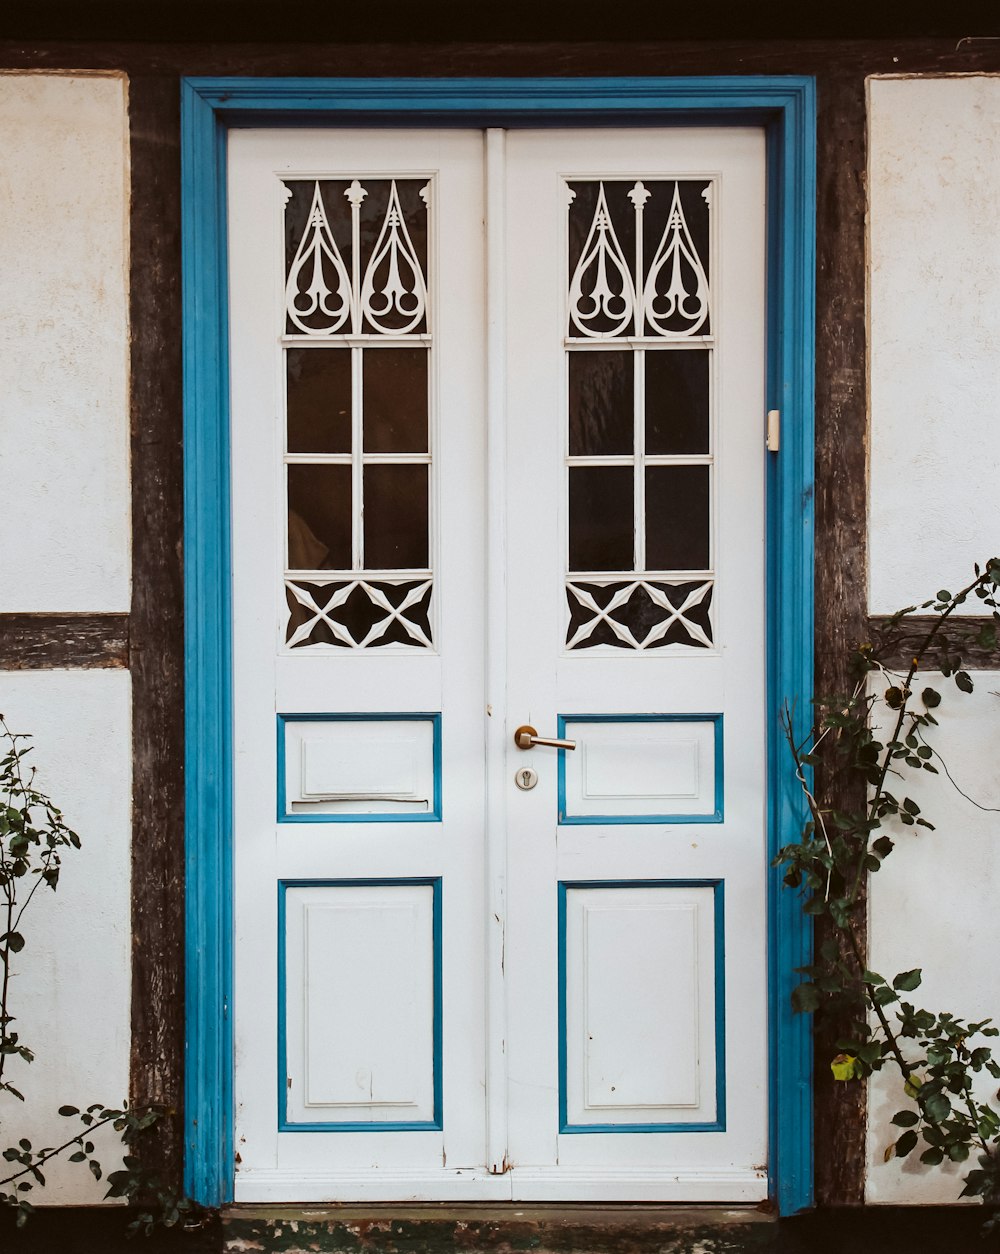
{"x": 496, "y": 648}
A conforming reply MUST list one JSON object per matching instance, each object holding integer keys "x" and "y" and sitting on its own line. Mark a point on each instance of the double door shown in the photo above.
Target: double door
{"x": 497, "y": 407}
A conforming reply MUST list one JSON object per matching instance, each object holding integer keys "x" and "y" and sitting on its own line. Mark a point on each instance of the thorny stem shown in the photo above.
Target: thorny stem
{"x": 905, "y": 688}
{"x": 48, "y": 1154}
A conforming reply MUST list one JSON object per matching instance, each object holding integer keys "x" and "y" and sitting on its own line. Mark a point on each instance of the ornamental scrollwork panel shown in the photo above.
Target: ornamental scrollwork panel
{"x": 639, "y": 614}
{"x": 639, "y": 258}
{"x": 356, "y": 257}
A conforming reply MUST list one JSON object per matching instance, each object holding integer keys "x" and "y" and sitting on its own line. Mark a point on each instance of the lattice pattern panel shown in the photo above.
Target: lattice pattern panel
{"x": 359, "y": 613}
{"x": 639, "y": 614}
{"x": 639, "y": 259}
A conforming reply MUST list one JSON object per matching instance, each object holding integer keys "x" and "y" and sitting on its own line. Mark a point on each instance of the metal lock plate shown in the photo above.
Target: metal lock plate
{"x": 526, "y": 778}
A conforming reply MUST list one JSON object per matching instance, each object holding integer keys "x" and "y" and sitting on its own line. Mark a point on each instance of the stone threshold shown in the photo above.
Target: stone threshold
{"x": 592, "y": 1228}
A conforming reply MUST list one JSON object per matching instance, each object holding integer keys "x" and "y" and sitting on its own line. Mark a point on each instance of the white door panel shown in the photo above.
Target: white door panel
{"x": 531, "y": 994}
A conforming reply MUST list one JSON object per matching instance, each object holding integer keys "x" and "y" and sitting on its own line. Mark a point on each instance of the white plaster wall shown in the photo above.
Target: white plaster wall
{"x": 934, "y": 906}
{"x": 934, "y": 248}
{"x": 64, "y": 423}
{"x": 72, "y": 981}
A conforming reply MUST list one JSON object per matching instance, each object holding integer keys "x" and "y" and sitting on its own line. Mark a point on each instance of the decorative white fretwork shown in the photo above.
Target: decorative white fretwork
{"x": 678, "y": 260}
{"x": 601, "y": 293}
{"x": 318, "y": 295}
{"x": 383, "y": 294}
{"x": 609, "y": 297}
{"x": 359, "y": 613}
{"x": 639, "y": 613}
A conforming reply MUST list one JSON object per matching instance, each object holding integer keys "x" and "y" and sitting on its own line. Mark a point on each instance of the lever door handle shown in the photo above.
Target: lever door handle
{"x": 527, "y": 738}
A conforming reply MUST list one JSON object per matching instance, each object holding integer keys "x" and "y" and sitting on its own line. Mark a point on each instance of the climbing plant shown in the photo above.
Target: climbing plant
{"x": 880, "y": 734}
{"x": 33, "y": 839}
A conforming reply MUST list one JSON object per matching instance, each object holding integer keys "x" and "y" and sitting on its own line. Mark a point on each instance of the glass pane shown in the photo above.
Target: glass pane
{"x": 395, "y": 400}
{"x": 319, "y": 400}
{"x": 677, "y": 519}
{"x": 601, "y": 518}
{"x": 396, "y": 518}
{"x": 677, "y": 402}
{"x": 601, "y": 387}
{"x": 319, "y": 517}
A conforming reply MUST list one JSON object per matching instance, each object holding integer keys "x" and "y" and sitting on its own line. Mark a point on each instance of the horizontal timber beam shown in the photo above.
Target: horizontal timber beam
{"x": 902, "y": 641}
{"x": 58, "y": 641}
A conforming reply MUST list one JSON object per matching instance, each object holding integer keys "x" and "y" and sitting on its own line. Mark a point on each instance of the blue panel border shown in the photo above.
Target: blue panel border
{"x": 716, "y": 816}
{"x": 785, "y": 106}
{"x": 426, "y": 1125}
{"x": 390, "y": 816}
{"x": 718, "y": 1124}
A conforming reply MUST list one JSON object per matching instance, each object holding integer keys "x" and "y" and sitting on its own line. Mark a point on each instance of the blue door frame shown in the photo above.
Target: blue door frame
{"x": 785, "y": 107}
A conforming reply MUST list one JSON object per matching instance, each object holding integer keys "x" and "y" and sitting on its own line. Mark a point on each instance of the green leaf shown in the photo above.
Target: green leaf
{"x": 937, "y": 1107}
{"x": 907, "y": 981}
{"x": 931, "y": 698}
{"x": 963, "y": 681}
{"x": 805, "y": 999}
{"x": 944, "y": 595}
{"x": 13, "y": 940}
{"x": 932, "y": 1156}
{"x": 68, "y": 1110}
{"x": 905, "y": 1118}
{"x": 905, "y": 1143}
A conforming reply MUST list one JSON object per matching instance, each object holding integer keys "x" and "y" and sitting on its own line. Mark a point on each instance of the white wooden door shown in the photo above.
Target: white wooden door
{"x": 497, "y": 406}
{"x": 636, "y": 867}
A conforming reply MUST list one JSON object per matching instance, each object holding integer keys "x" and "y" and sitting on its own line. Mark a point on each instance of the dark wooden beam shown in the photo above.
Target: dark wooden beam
{"x": 897, "y": 644}
{"x": 841, "y": 540}
{"x": 54, "y": 641}
{"x": 157, "y": 636}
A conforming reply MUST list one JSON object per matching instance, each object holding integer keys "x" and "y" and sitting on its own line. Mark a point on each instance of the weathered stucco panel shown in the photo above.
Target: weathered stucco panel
{"x": 64, "y": 342}
{"x": 934, "y": 245}
{"x": 933, "y": 906}
{"x": 934, "y": 250}
{"x": 71, "y": 988}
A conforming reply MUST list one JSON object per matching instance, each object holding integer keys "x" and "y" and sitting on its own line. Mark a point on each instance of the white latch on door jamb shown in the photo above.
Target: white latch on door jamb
{"x": 773, "y": 430}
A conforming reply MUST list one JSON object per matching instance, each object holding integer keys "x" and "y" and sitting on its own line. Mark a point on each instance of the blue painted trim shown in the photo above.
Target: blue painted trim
{"x": 719, "y": 925}
{"x": 717, "y": 815}
{"x": 390, "y": 816}
{"x": 786, "y": 107}
{"x": 208, "y": 1064}
{"x": 418, "y": 1125}
{"x": 791, "y": 197}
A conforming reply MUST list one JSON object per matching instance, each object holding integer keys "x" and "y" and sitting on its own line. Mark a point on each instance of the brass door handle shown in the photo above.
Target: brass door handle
{"x": 527, "y": 738}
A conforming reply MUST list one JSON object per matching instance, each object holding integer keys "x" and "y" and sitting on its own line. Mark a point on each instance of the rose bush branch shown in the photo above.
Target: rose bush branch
{"x": 33, "y": 838}
{"x": 939, "y": 1056}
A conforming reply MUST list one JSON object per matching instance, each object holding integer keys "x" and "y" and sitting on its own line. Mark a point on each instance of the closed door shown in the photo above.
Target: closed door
{"x": 497, "y": 406}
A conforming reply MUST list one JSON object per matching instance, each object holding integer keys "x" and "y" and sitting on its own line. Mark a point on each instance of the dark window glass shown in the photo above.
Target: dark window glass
{"x": 601, "y": 522}
{"x": 677, "y": 517}
{"x": 601, "y": 387}
{"x": 676, "y": 402}
{"x": 394, "y": 400}
{"x": 319, "y": 517}
{"x": 319, "y": 400}
{"x": 396, "y": 518}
